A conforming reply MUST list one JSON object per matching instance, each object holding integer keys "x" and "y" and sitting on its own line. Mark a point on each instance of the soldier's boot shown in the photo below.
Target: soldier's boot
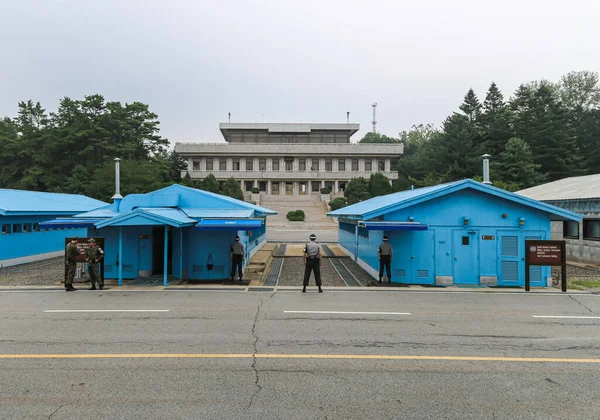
{"x": 70, "y": 289}
{"x": 320, "y": 290}
{"x": 93, "y": 287}
{"x": 303, "y": 289}
{"x": 101, "y": 286}
{"x": 379, "y": 281}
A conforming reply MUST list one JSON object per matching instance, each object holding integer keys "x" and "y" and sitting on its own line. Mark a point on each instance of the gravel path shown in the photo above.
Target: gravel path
{"x": 292, "y": 274}
{"x": 45, "y": 272}
{"x": 361, "y": 275}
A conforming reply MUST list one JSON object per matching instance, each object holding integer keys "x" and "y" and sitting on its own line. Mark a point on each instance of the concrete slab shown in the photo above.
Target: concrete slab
{"x": 261, "y": 257}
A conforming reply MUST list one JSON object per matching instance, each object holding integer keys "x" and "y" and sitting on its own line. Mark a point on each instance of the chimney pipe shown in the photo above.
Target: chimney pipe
{"x": 348, "y": 117}
{"x": 117, "y": 197}
{"x": 486, "y": 169}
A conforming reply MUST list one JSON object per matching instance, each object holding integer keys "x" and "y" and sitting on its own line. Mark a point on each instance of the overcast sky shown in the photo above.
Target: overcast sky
{"x": 287, "y": 60}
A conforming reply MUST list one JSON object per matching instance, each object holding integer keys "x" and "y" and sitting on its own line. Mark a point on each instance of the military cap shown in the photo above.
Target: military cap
{"x": 91, "y": 240}
{"x": 312, "y": 237}
{"x": 385, "y": 238}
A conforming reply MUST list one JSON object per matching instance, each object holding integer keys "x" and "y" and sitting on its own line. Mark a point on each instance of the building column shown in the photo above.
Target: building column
{"x": 335, "y": 184}
{"x": 255, "y": 183}
{"x": 120, "y": 259}
{"x": 242, "y": 185}
{"x": 269, "y": 187}
{"x": 166, "y": 255}
{"x": 322, "y": 183}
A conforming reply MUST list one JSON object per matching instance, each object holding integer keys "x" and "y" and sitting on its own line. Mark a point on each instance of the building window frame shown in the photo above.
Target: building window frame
{"x": 368, "y": 165}
{"x": 36, "y": 227}
{"x": 341, "y": 164}
{"x": 571, "y": 230}
{"x": 328, "y": 165}
{"x": 262, "y": 164}
{"x": 302, "y": 164}
{"x": 222, "y": 164}
{"x": 354, "y": 165}
{"x": 6, "y": 229}
{"x": 209, "y": 164}
{"x": 591, "y": 229}
{"x": 249, "y": 164}
{"x": 17, "y": 228}
{"x": 314, "y": 164}
{"x": 381, "y": 165}
{"x": 236, "y": 166}
{"x": 275, "y": 164}
{"x": 195, "y": 164}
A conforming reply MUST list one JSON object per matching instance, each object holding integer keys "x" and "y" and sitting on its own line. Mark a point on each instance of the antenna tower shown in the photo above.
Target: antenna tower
{"x": 374, "y": 105}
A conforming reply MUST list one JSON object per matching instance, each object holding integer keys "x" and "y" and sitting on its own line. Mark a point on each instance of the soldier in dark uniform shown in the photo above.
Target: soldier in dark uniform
{"x": 384, "y": 254}
{"x": 236, "y": 255}
{"x": 93, "y": 256}
{"x": 312, "y": 262}
{"x": 71, "y": 254}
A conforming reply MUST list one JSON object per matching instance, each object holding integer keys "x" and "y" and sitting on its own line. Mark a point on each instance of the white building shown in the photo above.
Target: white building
{"x": 289, "y": 159}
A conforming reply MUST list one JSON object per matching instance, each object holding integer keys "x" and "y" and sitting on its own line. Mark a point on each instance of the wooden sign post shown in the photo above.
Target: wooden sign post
{"x": 546, "y": 253}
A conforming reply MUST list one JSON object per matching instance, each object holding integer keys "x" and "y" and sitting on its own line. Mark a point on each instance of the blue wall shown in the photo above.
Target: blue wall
{"x": 24, "y": 244}
{"x": 451, "y": 249}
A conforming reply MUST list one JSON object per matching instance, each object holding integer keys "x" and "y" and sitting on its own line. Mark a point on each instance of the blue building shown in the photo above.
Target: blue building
{"x": 22, "y": 239}
{"x": 175, "y": 232}
{"x": 463, "y": 232}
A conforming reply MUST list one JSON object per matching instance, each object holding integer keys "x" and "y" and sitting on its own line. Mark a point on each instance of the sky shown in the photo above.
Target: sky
{"x": 195, "y": 61}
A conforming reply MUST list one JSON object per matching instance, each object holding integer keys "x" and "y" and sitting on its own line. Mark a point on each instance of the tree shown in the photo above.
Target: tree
{"x": 471, "y": 106}
{"x": 338, "y": 203}
{"x": 210, "y": 184}
{"x": 377, "y": 138}
{"x": 580, "y": 90}
{"x": 379, "y": 184}
{"x": 516, "y": 166}
{"x": 232, "y": 188}
{"x": 187, "y": 180}
{"x": 495, "y": 122}
{"x": 357, "y": 190}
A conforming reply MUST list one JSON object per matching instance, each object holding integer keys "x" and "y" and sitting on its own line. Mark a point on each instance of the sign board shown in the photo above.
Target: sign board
{"x": 83, "y": 245}
{"x": 488, "y": 237}
{"x": 546, "y": 253}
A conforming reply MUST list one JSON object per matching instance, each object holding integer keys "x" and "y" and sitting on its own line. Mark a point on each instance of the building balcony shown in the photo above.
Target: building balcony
{"x": 287, "y": 175}
{"x": 313, "y": 149}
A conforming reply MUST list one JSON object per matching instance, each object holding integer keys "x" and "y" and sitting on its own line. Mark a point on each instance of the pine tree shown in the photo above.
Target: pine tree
{"x": 357, "y": 190}
{"x": 232, "y": 188}
{"x": 516, "y": 165}
{"x": 210, "y": 184}
{"x": 495, "y": 122}
{"x": 379, "y": 184}
{"x": 471, "y": 106}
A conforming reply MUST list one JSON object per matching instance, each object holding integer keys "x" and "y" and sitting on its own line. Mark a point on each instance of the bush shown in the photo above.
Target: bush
{"x": 325, "y": 190}
{"x": 296, "y": 216}
{"x": 255, "y": 190}
{"x": 338, "y": 203}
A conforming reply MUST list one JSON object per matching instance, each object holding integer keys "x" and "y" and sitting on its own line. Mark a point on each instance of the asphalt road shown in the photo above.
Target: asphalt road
{"x": 288, "y": 355}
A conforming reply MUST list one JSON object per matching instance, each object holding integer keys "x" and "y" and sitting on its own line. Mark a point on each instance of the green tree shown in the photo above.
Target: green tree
{"x": 357, "y": 190}
{"x": 232, "y": 188}
{"x": 379, "y": 184}
{"x": 495, "y": 122}
{"x": 516, "y": 166}
{"x": 210, "y": 184}
{"x": 338, "y": 203}
{"x": 187, "y": 180}
{"x": 377, "y": 138}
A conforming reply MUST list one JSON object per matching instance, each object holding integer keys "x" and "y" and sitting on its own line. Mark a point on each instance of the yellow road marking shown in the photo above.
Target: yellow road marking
{"x": 295, "y": 356}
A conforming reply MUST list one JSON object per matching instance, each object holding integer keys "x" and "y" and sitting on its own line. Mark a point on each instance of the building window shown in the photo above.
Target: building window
{"x": 275, "y": 164}
{"x": 209, "y": 164}
{"x": 36, "y": 227}
{"x": 302, "y": 164}
{"x": 341, "y": 164}
{"x": 328, "y": 165}
{"x": 355, "y": 165}
{"x": 262, "y": 164}
{"x": 6, "y": 229}
{"x": 222, "y": 164}
{"x": 591, "y": 229}
{"x": 368, "y": 165}
{"x": 289, "y": 165}
{"x": 571, "y": 230}
{"x": 18, "y": 228}
{"x": 249, "y": 185}
{"x": 27, "y": 228}
{"x": 315, "y": 186}
{"x": 236, "y": 164}
{"x": 315, "y": 164}
{"x": 262, "y": 186}
{"x": 249, "y": 164}
{"x": 381, "y": 165}
{"x": 465, "y": 240}
{"x": 196, "y": 165}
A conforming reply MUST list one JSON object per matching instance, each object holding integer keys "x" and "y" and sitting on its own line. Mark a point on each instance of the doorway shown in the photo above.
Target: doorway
{"x": 289, "y": 188}
{"x": 158, "y": 250}
{"x": 465, "y": 261}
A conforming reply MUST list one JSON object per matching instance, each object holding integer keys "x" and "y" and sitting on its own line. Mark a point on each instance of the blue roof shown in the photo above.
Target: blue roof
{"x": 229, "y": 224}
{"x": 35, "y": 202}
{"x": 152, "y": 216}
{"x": 219, "y": 213}
{"x": 378, "y": 206}
{"x": 104, "y": 212}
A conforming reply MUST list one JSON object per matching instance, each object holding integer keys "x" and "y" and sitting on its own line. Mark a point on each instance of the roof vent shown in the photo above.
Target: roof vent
{"x": 486, "y": 169}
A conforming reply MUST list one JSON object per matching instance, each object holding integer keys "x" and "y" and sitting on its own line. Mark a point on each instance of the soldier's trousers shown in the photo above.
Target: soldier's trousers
{"x": 386, "y": 262}
{"x": 94, "y": 276}
{"x": 236, "y": 262}
{"x": 71, "y": 268}
{"x": 312, "y": 266}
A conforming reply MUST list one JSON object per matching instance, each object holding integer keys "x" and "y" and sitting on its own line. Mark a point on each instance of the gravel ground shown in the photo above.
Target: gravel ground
{"x": 361, "y": 275}
{"x": 45, "y": 272}
{"x": 292, "y": 274}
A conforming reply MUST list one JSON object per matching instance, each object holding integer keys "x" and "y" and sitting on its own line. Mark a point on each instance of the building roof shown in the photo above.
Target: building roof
{"x": 149, "y": 216}
{"x": 20, "y": 202}
{"x": 573, "y": 188}
{"x": 388, "y": 203}
{"x": 218, "y": 213}
{"x": 288, "y": 127}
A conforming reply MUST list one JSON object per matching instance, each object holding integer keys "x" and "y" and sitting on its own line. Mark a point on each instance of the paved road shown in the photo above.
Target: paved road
{"x": 288, "y": 355}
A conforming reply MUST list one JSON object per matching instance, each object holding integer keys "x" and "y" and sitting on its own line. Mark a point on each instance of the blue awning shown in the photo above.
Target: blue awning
{"x": 405, "y": 226}
{"x": 69, "y": 223}
{"x": 229, "y": 224}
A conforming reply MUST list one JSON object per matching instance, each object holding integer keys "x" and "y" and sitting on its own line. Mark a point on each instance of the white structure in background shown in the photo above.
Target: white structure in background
{"x": 289, "y": 159}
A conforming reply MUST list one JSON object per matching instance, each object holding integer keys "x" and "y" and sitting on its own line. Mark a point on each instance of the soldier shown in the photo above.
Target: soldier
{"x": 312, "y": 262}
{"x": 236, "y": 255}
{"x": 71, "y": 254}
{"x": 94, "y": 255}
{"x": 384, "y": 254}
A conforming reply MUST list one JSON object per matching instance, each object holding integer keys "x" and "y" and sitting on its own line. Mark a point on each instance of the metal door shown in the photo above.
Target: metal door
{"x": 401, "y": 266}
{"x": 145, "y": 256}
{"x": 422, "y": 256}
{"x": 465, "y": 256}
{"x": 510, "y": 270}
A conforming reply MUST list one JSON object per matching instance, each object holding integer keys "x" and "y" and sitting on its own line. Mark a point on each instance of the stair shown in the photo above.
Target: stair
{"x": 315, "y": 212}
{"x": 259, "y": 264}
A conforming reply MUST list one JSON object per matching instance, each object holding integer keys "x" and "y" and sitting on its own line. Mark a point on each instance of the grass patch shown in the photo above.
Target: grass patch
{"x": 583, "y": 284}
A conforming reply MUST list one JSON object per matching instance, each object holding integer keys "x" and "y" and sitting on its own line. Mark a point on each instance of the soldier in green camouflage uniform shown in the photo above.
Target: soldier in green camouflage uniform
{"x": 71, "y": 254}
{"x": 94, "y": 255}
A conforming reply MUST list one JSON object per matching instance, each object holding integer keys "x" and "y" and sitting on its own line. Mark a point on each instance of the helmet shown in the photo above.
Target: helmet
{"x": 92, "y": 240}
{"x": 312, "y": 237}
